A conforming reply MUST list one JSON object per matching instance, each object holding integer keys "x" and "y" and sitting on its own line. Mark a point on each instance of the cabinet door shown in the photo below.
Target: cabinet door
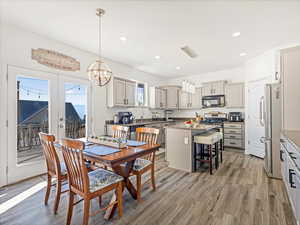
{"x": 217, "y": 88}
{"x": 163, "y": 98}
{"x": 196, "y": 99}
{"x": 172, "y": 97}
{"x": 207, "y": 90}
{"x": 158, "y": 98}
{"x": 234, "y": 95}
{"x": 184, "y": 100}
{"x": 130, "y": 93}
{"x": 119, "y": 92}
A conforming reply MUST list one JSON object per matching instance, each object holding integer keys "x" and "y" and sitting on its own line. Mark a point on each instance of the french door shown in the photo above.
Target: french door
{"x": 41, "y": 102}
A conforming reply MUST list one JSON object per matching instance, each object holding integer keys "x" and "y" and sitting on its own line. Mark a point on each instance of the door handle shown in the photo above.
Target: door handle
{"x": 261, "y": 119}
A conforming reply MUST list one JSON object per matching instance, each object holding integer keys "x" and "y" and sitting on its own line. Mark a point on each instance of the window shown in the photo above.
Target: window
{"x": 141, "y": 94}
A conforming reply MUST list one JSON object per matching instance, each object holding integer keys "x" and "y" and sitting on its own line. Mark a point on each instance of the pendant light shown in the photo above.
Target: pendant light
{"x": 98, "y": 72}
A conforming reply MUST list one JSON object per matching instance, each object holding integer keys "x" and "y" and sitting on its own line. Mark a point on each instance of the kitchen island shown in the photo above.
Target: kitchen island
{"x": 180, "y": 146}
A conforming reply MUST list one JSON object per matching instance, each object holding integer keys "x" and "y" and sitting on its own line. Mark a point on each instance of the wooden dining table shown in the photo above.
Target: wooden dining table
{"x": 122, "y": 163}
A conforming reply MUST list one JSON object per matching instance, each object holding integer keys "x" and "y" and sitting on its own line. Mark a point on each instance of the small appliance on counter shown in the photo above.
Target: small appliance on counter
{"x": 235, "y": 117}
{"x": 215, "y": 117}
{"x": 125, "y": 117}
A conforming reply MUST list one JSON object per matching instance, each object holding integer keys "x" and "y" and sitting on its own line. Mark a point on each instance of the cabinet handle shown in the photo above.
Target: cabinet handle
{"x": 291, "y": 174}
{"x": 281, "y": 153}
{"x": 232, "y": 143}
{"x": 292, "y": 155}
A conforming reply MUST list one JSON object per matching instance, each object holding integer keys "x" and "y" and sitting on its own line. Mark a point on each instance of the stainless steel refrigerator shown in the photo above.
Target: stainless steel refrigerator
{"x": 271, "y": 116}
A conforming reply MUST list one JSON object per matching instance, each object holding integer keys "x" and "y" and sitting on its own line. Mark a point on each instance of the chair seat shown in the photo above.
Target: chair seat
{"x": 208, "y": 138}
{"x": 140, "y": 164}
{"x": 102, "y": 178}
{"x": 63, "y": 167}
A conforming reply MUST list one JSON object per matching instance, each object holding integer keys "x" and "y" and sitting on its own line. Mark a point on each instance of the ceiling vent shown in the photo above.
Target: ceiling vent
{"x": 190, "y": 52}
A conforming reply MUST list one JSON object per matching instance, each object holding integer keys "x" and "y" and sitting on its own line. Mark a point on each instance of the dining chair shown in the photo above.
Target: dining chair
{"x": 55, "y": 168}
{"x": 145, "y": 164}
{"x": 120, "y": 131}
{"x": 88, "y": 185}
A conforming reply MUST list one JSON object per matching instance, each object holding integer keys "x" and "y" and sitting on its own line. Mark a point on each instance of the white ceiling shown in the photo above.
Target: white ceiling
{"x": 162, "y": 27}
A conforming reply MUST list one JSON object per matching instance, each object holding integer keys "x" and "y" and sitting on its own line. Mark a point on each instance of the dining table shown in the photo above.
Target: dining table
{"x": 121, "y": 161}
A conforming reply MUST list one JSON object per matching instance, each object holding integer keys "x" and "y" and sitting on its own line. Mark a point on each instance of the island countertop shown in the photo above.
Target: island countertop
{"x": 198, "y": 127}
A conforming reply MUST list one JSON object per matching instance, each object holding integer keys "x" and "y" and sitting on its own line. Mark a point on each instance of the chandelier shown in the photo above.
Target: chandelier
{"x": 98, "y": 72}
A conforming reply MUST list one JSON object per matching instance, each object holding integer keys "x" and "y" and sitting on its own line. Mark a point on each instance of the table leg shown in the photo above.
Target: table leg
{"x": 124, "y": 172}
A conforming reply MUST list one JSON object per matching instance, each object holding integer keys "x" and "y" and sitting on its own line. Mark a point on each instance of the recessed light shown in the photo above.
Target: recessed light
{"x": 236, "y": 34}
{"x": 178, "y": 68}
{"x": 123, "y": 38}
{"x": 243, "y": 54}
{"x": 157, "y": 57}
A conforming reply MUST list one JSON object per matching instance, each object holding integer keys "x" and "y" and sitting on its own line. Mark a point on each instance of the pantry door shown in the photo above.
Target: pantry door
{"x": 32, "y": 108}
{"x": 74, "y": 108}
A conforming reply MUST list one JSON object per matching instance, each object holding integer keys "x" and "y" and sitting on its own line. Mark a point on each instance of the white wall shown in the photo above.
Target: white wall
{"x": 16, "y": 45}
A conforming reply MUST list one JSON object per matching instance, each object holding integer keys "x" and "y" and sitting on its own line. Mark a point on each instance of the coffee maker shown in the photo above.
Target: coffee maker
{"x": 235, "y": 117}
{"x": 125, "y": 117}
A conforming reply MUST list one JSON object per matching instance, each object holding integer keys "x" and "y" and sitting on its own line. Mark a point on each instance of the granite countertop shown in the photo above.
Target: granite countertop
{"x": 293, "y": 136}
{"x": 145, "y": 122}
{"x": 204, "y": 127}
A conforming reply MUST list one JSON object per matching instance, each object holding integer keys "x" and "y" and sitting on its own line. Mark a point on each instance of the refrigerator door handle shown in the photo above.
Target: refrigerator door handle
{"x": 261, "y": 119}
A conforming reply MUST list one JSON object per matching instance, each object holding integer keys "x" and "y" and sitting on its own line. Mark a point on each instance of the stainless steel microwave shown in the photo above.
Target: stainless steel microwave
{"x": 213, "y": 101}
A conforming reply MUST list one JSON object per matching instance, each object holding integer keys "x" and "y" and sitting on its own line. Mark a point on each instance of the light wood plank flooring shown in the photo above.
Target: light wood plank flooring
{"x": 239, "y": 193}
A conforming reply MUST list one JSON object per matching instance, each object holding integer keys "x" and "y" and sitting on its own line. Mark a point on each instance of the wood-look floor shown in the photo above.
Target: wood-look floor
{"x": 239, "y": 193}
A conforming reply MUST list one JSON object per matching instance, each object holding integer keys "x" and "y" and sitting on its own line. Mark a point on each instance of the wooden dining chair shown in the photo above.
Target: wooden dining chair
{"x": 145, "y": 164}
{"x": 88, "y": 185}
{"x": 55, "y": 169}
{"x": 120, "y": 131}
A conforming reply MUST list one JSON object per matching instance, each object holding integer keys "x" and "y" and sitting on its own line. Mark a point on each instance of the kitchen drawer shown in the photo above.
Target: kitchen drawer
{"x": 233, "y": 143}
{"x": 233, "y": 125}
{"x": 233, "y": 136}
{"x": 232, "y": 131}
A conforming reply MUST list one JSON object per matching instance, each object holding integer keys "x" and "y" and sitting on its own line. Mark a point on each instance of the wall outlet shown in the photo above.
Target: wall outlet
{"x": 186, "y": 140}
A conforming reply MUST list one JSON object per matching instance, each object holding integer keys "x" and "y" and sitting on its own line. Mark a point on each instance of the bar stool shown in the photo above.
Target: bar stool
{"x": 207, "y": 152}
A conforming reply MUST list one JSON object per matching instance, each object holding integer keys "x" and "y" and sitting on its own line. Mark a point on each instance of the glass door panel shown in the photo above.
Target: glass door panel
{"x": 75, "y": 110}
{"x": 32, "y": 117}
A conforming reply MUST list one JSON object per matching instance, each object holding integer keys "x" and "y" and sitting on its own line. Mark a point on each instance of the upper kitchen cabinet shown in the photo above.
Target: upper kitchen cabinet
{"x": 213, "y": 88}
{"x": 158, "y": 98}
{"x": 196, "y": 99}
{"x": 172, "y": 96}
{"x": 120, "y": 92}
{"x": 234, "y": 95}
{"x": 190, "y": 100}
{"x": 290, "y": 80}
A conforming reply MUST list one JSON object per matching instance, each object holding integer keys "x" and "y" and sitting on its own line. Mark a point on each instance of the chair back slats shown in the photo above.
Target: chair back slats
{"x": 120, "y": 131}
{"x": 76, "y": 168}
{"x": 52, "y": 160}
{"x": 148, "y": 135}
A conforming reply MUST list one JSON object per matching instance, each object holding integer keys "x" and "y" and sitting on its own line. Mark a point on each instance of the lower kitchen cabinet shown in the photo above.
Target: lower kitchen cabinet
{"x": 290, "y": 168}
{"x": 234, "y": 135}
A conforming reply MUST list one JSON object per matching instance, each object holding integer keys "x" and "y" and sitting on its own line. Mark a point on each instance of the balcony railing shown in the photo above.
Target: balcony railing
{"x": 28, "y": 135}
